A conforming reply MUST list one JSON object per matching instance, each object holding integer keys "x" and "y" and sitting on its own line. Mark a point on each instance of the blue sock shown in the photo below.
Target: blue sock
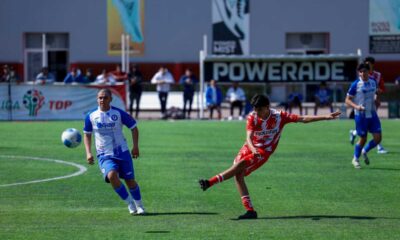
{"x": 357, "y": 150}
{"x": 121, "y": 191}
{"x": 135, "y": 193}
{"x": 371, "y": 144}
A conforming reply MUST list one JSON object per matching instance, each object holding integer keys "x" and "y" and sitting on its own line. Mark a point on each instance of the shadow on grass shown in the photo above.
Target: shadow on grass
{"x": 384, "y": 169}
{"x": 178, "y": 213}
{"x": 319, "y": 217}
{"x": 157, "y": 231}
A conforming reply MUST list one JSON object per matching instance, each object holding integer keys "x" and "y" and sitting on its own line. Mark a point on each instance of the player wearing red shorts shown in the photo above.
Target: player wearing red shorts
{"x": 264, "y": 128}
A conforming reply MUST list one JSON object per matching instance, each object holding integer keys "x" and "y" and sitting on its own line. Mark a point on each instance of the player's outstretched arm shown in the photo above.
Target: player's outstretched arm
{"x": 308, "y": 119}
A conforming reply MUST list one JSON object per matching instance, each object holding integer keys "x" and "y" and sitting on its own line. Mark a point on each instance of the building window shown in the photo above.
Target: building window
{"x": 46, "y": 50}
{"x": 307, "y": 43}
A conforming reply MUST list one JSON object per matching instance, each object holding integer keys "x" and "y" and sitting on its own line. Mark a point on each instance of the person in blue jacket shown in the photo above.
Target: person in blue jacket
{"x": 214, "y": 98}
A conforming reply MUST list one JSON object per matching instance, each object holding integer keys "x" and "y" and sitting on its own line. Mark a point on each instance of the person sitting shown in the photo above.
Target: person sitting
{"x": 104, "y": 78}
{"x": 74, "y": 76}
{"x": 323, "y": 98}
{"x": 9, "y": 75}
{"x": 236, "y": 97}
{"x": 89, "y": 77}
{"x": 118, "y": 74}
{"x": 214, "y": 98}
{"x": 294, "y": 100}
{"x": 45, "y": 77}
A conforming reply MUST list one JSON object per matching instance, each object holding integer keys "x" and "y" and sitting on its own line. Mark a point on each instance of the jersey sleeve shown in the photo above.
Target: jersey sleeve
{"x": 88, "y": 127}
{"x": 381, "y": 85}
{"x": 289, "y": 117}
{"x": 127, "y": 120}
{"x": 250, "y": 125}
{"x": 353, "y": 89}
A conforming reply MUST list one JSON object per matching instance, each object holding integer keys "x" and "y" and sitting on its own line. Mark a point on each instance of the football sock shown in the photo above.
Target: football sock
{"x": 357, "y": 151}
{"x": 135, "y": 193}
{"x": 371, "y": 144}
{"x": 123, "y": 194}
{"x": 246, "y": 201}
{"x": 216, "y": 179}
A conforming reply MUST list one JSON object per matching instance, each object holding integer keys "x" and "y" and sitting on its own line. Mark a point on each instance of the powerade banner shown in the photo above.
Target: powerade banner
{"x": 125, "y": 16}
{"x": 52, "y": 102}
{"x": 231, "y": 29}
{"x": 280, "y": 70}
{"x": 384, "y": 26}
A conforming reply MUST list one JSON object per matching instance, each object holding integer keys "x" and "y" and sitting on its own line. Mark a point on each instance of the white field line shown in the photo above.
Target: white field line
{"x": 82, "y": 169}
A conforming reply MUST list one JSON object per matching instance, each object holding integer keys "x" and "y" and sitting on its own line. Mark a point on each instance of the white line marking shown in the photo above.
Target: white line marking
{"x": 82, "y": 169}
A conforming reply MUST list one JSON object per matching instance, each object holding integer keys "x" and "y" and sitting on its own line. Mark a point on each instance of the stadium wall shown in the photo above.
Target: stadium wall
{"x": 174, "y": 30}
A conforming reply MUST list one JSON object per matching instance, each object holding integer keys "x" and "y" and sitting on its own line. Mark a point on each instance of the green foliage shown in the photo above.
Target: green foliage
{"x": 307, "y": 190}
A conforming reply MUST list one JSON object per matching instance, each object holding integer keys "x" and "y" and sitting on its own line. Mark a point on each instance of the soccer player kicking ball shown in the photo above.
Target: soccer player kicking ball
{"x": 113, "y": 154}
{"x": 264, "y": 128}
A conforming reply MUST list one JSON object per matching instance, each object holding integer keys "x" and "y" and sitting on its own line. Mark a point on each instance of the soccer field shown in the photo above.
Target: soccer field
{"x": 307, "y": 190}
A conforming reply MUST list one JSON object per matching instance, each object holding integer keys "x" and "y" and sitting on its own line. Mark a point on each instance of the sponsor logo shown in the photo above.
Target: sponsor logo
{"x": 33, "y": 100}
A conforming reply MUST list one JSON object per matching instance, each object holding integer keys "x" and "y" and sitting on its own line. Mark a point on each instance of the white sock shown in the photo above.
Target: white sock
{"x": 129, "y": 199}
{"x": 138, "y": 203}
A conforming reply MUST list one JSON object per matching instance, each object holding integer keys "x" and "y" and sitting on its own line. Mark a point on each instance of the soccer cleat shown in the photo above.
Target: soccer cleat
{"x": 364, "y": 155}
{"x": 132, "y": 209}
{"x": 381, "y": 150}
{"x": 204, "y": 184}
{"x": 140, "y": 211}
{"x": 352, "y": 137}
{"x": 248, "y": 215}
{"x": 356, "y": 163}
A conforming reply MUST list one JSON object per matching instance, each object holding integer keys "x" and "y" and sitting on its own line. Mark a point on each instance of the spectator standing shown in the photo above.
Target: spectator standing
{"x": 163, "y": 79}
{"x": 74, "y": 76}
{"x": 323, "y": 98}
{"x": 118, "y": 74}
{"x": 236, "y": 97}
{"x": 45, "y": 77}
{"x": 214, "y": 98}
{"x": 135, "y": 89}
{"x": 188, "y": 81}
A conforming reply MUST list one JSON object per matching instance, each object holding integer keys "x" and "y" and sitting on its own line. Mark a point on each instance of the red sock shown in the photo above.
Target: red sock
{"x": 246, "y": 201}
{"x": 216, "y": 179}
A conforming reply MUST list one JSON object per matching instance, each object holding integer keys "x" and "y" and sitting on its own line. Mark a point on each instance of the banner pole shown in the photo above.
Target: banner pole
{"x": 123, "y": 52}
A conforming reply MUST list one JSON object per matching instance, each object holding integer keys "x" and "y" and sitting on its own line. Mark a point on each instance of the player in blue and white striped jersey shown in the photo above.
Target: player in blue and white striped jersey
{"x": 361, "y": 97}
{"x": 114, "y": 158}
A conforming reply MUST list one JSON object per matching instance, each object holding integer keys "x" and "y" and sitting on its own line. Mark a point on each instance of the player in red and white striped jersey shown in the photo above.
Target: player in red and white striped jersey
{"x": 264, "y": 128}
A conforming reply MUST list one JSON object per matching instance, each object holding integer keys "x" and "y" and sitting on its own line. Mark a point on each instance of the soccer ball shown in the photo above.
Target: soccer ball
{"x": 71, "y": 137}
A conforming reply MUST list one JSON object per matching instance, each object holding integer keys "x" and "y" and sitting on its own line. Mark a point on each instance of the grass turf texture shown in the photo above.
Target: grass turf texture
{"x": 307, "y": 190}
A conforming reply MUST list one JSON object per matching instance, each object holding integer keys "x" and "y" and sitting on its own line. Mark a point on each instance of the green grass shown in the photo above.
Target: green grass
{"x": 307, "y": 190}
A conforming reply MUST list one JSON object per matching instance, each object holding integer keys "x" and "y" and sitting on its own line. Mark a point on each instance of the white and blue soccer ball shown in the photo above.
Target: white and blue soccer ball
{"x": 71, "y": 137}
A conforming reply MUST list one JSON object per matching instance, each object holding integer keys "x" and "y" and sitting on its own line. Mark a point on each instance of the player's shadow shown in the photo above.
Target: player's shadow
{"x": 319, "y": 217}
{"x": 178, "y": 213}
{"x": 384, "y": 169}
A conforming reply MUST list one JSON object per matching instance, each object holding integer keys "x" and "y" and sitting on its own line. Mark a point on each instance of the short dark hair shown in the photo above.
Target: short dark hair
{"x": 259, "y": 100}
{"x": 370, "y": 59}
{"x": 363, "y": 66}
{"x": 107, "y": 91}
